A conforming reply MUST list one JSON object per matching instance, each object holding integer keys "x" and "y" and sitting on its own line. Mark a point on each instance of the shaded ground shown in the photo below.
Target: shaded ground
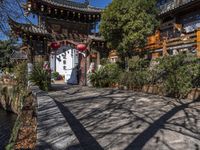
{"x": 120, "y": 120}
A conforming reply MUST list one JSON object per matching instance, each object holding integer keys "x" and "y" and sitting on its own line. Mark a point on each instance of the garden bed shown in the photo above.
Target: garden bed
{"x": 24, "y": 131}
{"x": 174, "y": 76}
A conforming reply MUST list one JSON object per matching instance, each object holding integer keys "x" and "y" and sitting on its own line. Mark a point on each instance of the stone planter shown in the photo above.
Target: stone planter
{"x": 137, "y": 89}
{"x": 158, "y": 90}
{"x": 145, "y": 88}
{"x": 194, "y": 94}
{"x": 115, "y": 85}
{"x": 153, "y": 89}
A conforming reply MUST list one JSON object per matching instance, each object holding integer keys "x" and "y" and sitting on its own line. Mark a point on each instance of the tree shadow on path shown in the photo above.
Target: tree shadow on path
{"x": 139, "y": 142}
{"x": 87, "y": 141}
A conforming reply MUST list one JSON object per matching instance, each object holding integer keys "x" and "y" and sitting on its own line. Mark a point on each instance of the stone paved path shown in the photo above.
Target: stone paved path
{"x": 118, "y": 120}
{"x": 53, "y": 131}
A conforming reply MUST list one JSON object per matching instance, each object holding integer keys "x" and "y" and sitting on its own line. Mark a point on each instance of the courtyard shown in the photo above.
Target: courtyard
{"x": 113, "y": 119}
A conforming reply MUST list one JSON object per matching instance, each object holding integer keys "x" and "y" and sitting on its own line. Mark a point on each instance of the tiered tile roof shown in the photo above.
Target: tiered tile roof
{"x": 28, "y": 28}
{"x": 73, "y": 5}
{"x": 33, "y": 29}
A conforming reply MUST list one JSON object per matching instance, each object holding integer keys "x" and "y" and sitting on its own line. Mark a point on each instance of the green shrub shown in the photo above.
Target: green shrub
{"x": 137, "y": 76}
{"x": 8, "y": 69}
{"x": 113, "y": 73}
{"x": 104, "y": 61}
{"x": 105, "y": 76}
{"x": 125, "y": 79}
{"x": 40, "y": 77}
{"x": 177, "y": 74}
{"x": 138, "y": 64}
{"x": 195, "y": 73}
{"x": 55, "y": 75}
{"x": 134, "y": 80}
{"x": 21, "y": 72}
{"x": 99, "y": 78}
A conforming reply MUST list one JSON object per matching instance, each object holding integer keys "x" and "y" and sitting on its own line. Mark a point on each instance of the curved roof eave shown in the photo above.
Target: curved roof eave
{"x": 83, "y": 7}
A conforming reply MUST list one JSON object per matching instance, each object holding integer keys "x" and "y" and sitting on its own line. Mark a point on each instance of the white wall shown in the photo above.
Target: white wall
{"x": 65, "y": 61}
{"x": 52, "y": 64}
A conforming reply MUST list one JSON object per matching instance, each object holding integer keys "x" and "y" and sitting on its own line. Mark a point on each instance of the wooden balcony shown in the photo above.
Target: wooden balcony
{"x": 156, "y": 43}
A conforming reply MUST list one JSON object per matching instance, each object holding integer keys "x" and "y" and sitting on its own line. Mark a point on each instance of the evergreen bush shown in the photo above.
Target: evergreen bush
{"x": 55, "y": 75}
{"x": 40, "y": 77}
{"x": 105, "y": 76}
{"x": 21, "y": 72}
{"x": 178, "y": 74}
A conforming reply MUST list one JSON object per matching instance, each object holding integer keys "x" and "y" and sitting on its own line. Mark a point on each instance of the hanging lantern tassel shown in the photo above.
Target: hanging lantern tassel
{"x": 42, "y": 8}
{"x": 49, "y": 10}
{"x": 29, "y": 6}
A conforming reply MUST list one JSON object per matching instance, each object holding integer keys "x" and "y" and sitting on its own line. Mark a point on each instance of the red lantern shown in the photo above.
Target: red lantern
{"x": 81, "y": 47}
{"x": 55, "y": 45}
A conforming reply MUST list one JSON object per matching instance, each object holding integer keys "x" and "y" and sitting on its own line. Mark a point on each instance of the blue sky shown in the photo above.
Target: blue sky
{"x": 100, "y": 3}
{"x": 97, "y": 3}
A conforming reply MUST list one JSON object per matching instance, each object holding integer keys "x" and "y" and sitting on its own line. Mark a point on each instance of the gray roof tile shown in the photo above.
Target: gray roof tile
{"x": 17, "y": 55}
{"x": 173, "y": 5}
{"x": 74, "y": 5}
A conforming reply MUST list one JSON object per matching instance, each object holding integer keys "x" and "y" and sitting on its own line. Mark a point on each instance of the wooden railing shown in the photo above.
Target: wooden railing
{"x": 156, "y": 42}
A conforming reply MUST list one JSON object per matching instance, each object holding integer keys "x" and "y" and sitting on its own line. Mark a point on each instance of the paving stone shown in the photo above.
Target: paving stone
{"x": 53, "y": 131}
{"x": 124, "y": 120}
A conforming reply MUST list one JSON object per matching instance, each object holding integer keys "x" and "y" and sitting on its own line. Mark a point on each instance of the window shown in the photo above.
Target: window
{"x": 64, "y": 62}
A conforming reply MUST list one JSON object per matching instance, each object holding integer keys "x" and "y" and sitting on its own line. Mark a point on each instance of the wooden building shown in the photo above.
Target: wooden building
{"x": 179, "y": 29}
{"x": 66, "y": 23}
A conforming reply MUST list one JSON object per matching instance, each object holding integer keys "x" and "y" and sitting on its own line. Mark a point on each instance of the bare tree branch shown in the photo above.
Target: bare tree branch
{"x": 13, "y": 10}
